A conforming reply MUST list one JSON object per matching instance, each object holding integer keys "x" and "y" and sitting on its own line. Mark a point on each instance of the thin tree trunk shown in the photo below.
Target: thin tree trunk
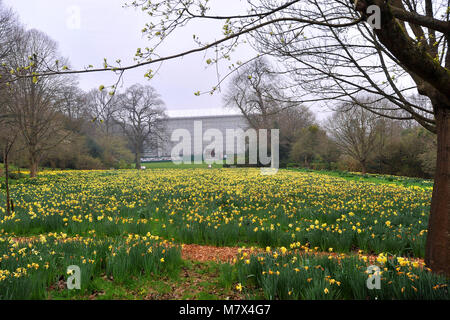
{"x": 437, "y": 254}
{"x": 8, "y": 203}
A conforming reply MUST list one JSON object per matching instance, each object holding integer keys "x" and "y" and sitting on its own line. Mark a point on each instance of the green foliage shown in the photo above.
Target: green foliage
{"x": 313, "y": 149}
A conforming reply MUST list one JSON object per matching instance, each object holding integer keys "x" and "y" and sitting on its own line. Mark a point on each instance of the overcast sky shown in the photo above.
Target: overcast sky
{"x": 107, "y": 30}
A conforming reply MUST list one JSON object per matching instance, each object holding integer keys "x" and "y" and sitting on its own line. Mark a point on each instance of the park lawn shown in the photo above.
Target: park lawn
{"x": 172, "y": 165}
{"x": 376, "y": 178}
{"x": 124, "y": 228}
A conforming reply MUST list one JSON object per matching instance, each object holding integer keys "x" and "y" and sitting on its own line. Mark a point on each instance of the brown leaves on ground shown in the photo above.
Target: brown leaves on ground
{"x": 200, "y": 253}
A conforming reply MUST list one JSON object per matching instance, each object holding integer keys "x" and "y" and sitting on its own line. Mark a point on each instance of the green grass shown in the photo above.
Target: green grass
{"x": 375, "y": 178}
{"x": 195, "y": 281}
{"x": 171, "y": 165}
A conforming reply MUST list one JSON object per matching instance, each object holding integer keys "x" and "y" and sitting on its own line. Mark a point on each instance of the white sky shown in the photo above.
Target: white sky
{"x": 107, "y": 30}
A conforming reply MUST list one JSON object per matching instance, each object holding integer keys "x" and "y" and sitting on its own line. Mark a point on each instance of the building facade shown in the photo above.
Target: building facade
{"x": 197, "y": 127}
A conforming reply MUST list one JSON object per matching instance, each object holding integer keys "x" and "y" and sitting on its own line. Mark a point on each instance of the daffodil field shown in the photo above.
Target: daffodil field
{"x": 313, "y": 235}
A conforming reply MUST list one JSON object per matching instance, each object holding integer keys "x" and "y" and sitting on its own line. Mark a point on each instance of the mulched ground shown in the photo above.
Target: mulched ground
{"x": 199, "y": 253}
{"x": 227, "y": 254}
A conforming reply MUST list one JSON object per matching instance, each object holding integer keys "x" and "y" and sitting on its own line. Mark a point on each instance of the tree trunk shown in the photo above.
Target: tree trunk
{"x": 33, "y": 167}
{"x": 363, "y": 167}
{"x": 8, "y": 205}
{"x": 138, "y": 160}
{"x": 437, "y": 253}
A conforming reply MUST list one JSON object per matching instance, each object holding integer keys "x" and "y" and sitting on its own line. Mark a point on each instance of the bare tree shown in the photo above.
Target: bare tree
{"x": 8, "y": 28}
{"x": 256, "y": 92}
{"x": 8, "y": 34}
{"x": 355, "y": 131}
{"x": 8, "y": 137}
{"x": 73, "y": 102}
{"x": 141, "y": 116}
{"x": 34, "y": 101}
{"x": 103, "y": 108}
{"x": 8, "y": 134}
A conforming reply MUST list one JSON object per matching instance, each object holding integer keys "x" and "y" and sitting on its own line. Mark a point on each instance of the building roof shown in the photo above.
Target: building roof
{"x": 201, "y": 113}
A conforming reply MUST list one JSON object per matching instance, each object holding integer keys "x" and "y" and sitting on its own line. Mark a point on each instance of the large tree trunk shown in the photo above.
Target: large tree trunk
{"x": 437, "y": 254}
{"x": 138, "y": 160}
{"x": 363, "y": 167}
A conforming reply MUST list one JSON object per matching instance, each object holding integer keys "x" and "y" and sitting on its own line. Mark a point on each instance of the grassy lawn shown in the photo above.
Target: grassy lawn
{"x": 171, "y": 165}
{"x": 376, "y": 178}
